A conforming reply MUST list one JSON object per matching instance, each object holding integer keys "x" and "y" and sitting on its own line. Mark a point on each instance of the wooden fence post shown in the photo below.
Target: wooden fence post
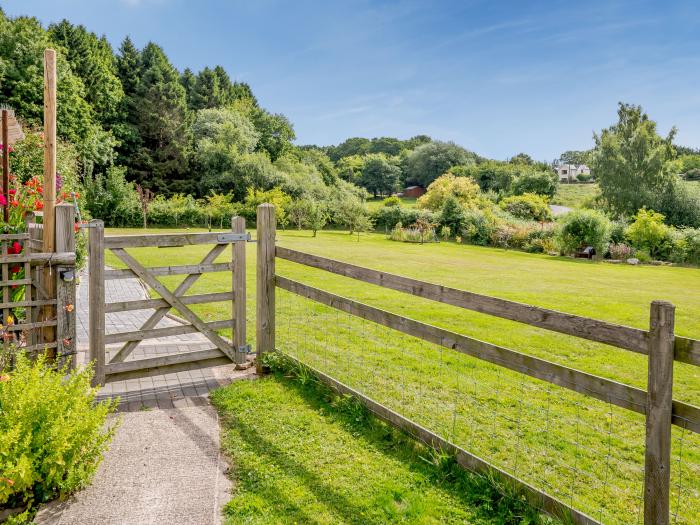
{"x": 96, "y": 331}
{"x": 239, "y": 292}
{"x": 65, "y": 287}
{"x": 657, "y": 464}
{"x": 265, "y": 305}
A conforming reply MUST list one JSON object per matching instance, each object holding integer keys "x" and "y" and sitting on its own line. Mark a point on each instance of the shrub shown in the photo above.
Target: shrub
{"x": 478, "y": 227}
{"x": 539, "y": 182}
{"x": 391, "y": 201}
{"x": 580, "y": 228}
{"x": 464, "y": 189}
{"x": 452, "y": 215}
{"x": 620, "y": 251}
{"x": 679, "y": 205}
{"x": 686, "y": 247}
{"x": 52, "y": 432}
{"x": 387, "y": 217}
{"x": 693, "y": 174}
{"x": 617, "y": 232}
{"x": 648, "y": 232}
{"x": 528, "y": 206}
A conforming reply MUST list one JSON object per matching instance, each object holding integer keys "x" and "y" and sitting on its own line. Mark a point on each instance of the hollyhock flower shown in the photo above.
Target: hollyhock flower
{"x": 59, "y": 181}
{"x": 3, "y": 200}
{"x": 15, "y": 248}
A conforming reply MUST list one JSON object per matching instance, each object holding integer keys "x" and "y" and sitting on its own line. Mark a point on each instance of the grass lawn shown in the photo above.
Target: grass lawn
{"x": 573, "y": 195}
{"x": 301, "y": 455}
{"x": 586, "y": 452}
{"x": 373, "y": 204}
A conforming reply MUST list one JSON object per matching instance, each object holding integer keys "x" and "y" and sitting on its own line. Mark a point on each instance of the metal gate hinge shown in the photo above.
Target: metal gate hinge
{"x": 245, "y": 349}
{"x": 232, "y": 237}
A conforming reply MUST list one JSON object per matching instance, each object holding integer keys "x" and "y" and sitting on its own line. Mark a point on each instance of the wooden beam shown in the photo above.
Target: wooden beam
{"x": 148, "y": 304}
{"x": 167, "y": 331}
{"x": 657, "y": 464}
{"x": 160, "y": 240}
{"x": 265, "y": 304}
{"x": 49, "y": 312}
{"x": 238, "y": 285}
{"x": 184, "y": 269}
{"x": 6, "y": 163}
{"x": 603, "y": 332}
{"x": 96, "y": 295}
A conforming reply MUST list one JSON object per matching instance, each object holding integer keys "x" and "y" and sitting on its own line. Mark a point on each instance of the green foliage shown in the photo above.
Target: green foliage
{"x": 275, "y": 196}
{"x": 534, "y": 181}
{"x": 379, "y": 176}
{"x": 52, "y": 432}
{"x": 527, "y": 206}
{"x": 453, "y": 216}
{"x": 581, "y": 228}
{"x": 491, "y": 175}
{"x": 478, "y": 227}
{"x": 686, "y": 246}
{"x": 464, "y": 189}
{"x": 631, "y": 161}
{"x": 392, "y": 201}
{"x": 431, "y": 160}
{"x": 27, "y": 159}
{"x": 387, "y": 217}
{"x": 114, "y": 200}
{"x": 576, "y": 157}
{"x": 679, "y": 204}
{"x": 649, "y": 233}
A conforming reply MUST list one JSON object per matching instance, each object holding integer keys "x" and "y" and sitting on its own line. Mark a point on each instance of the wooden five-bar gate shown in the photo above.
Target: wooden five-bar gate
{"x": 223, "y": 351}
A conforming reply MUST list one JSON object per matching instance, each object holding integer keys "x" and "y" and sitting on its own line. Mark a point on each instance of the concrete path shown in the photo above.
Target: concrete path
{"x": 164, "y": 464}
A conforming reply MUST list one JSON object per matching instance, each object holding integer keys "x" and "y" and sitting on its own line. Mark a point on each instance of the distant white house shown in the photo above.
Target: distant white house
{"x": 569, "y": 172}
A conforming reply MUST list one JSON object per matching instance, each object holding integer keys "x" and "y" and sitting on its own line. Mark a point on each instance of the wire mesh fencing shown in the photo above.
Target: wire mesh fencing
{"x": 587, "y": 453}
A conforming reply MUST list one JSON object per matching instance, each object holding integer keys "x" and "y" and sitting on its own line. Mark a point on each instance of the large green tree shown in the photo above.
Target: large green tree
{"x": 160, "y": 162}
{"x": 92, "y": 59}
{"x": 631, "y": 161}
{"x": 427, "y": 162}
{"x": 379, "y": 176}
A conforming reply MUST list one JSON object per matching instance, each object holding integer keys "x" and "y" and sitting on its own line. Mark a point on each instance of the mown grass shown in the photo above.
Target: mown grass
{"x": 586, "y": 452}
{"x": 574, "y": 195}
{"x": 373, "y": 204}
{"x": 302, "y": 454}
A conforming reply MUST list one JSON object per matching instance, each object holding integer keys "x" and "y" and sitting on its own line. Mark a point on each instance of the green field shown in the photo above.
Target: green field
{"x": 574, "y": 195}
{"x": 304, "y": 456}
{"x": 586, "y": 452}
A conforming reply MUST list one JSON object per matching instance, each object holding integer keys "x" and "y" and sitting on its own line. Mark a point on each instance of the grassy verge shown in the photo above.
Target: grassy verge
{"x": 303, "y": 454}
{"x": 586, "y": 452}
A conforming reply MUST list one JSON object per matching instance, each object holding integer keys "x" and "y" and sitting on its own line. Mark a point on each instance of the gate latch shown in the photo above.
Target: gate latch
{"x": 232, "y": 237}
{"x": 245, "y": 349}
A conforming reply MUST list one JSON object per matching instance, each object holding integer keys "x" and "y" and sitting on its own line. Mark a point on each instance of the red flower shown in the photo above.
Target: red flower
{"x": 39, "y": 205}
{"x": 3, "y": 200}
{"x": 16, "y": 269}
{"x": 12, "y": 191}
{"x": 15, "y": 248}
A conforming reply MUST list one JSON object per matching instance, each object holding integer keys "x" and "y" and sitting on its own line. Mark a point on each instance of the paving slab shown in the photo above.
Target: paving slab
{"x": 163, "y": 467}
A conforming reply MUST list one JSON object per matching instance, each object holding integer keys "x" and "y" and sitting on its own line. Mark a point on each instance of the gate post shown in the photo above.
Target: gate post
{"x": 657, "y": 463}
{"x": 265, "y": 304}
{"x": 66, "y": 343}
{"x": 96, "y": 331}
{"x": 239, "y": 292}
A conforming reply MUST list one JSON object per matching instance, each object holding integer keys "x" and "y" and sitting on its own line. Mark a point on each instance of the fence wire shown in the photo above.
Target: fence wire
{"x": 585, "y": 452}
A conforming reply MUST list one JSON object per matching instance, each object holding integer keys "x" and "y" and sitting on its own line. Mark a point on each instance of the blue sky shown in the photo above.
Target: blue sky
{"x": 496, "y": 77}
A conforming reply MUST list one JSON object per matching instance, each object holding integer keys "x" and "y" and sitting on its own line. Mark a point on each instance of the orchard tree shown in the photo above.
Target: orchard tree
{"x": 631, "y": 161}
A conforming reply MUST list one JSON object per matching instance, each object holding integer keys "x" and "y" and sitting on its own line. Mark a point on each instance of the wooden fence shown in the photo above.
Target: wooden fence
{"x": 38, "y": 289}
{"x": 659, "y": 343}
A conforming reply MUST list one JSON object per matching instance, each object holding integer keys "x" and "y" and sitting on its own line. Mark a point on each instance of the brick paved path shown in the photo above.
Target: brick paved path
{"x": 188, "y": 388}
{"x": 164, "y": 465}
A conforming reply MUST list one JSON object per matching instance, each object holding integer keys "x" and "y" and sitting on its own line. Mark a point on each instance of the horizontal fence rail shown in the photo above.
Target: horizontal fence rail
{"x": 625, "y": 337}
{"x": 684, "y": 415}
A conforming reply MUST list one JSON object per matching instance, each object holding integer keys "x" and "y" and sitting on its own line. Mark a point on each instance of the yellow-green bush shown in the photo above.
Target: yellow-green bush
{"x": 52, "y": 432}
